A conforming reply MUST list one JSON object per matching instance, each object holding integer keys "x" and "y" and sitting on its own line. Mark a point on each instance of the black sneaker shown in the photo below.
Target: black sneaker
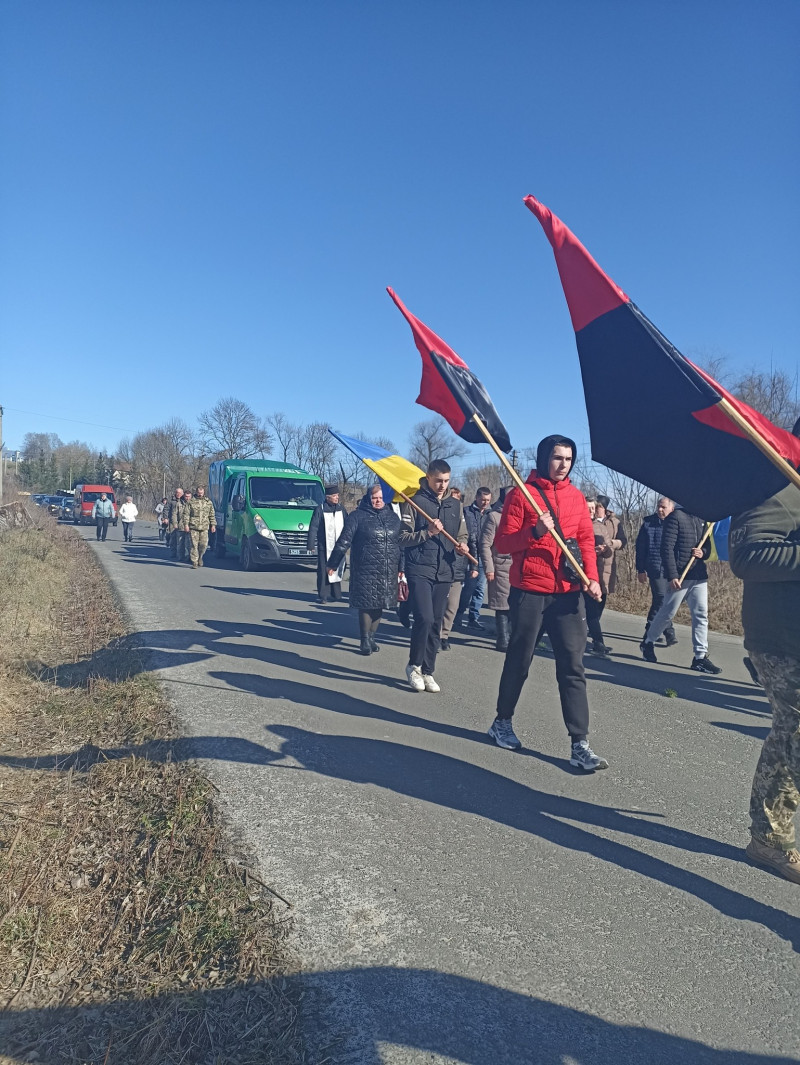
{"x": 705, "y": 665}
{"x": 475, "y": 623}
{"x": 649, "y": 652}
{"x": 671, "y": 639}
{"x": 444, "y": 645}
{"x": 598, "y": 650}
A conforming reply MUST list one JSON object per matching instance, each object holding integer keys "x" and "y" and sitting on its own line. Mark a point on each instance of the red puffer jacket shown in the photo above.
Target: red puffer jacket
{"x": 535, "y": 565}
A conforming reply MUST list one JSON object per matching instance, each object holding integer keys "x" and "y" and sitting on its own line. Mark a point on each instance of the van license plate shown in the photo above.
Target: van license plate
{"x": 294, "y": 551}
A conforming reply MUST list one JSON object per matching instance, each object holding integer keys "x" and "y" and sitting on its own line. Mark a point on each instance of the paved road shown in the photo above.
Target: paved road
{"x": 460, "y": 903}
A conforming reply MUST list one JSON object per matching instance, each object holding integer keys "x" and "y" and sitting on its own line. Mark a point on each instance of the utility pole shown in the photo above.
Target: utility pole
{"x": 2, "y": 460}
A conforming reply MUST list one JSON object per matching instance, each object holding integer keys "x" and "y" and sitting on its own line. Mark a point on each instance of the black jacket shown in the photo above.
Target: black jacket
{"x": 681, "y": 533}
{"x": 648, "y": 547}
{"x": 316, "y": 529}
{"x": 432, "y": 557}
{"x": 373, "y": 539}
{"x": 476, "y": 523}
{"x": 765, "y": 553}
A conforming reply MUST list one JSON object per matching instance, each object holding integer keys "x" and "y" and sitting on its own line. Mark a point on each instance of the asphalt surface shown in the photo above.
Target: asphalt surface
{"x": 455, "y": 902}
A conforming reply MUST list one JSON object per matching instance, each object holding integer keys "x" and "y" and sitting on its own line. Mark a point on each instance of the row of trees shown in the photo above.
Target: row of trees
{"x": 151, "y": 463}
{"x": 154, "y": 461}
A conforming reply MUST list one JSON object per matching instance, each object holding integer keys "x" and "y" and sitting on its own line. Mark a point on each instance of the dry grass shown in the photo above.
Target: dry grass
{"x": 724, "y": 598}
{"x": 122, "y": 910}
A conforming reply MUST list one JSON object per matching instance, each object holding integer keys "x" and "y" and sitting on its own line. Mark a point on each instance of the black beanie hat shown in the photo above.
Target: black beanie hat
{"x": 545, "y": 450}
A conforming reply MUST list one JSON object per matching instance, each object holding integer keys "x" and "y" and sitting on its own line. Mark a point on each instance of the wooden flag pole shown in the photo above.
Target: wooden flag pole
{"x": 692, "y": 560}
{"x": 763, "y": 445}
{"x": 518, "y": 481}
{"x": 427, "y": 517}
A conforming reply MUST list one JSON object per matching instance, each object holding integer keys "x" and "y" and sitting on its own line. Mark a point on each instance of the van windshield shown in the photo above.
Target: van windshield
{"x": 92, "y": 497}
{"x": 284, "y": 492}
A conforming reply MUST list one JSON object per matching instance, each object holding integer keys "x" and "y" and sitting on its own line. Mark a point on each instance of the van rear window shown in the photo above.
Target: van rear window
{"x": 284, "y": 492}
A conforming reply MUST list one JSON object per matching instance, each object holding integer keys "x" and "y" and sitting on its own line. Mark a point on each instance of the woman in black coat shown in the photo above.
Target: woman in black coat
{"x": 372, "y": 534}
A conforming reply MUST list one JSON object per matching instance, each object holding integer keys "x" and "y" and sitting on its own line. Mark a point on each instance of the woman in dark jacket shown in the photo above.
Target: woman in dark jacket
{"x": 372, "y": 535}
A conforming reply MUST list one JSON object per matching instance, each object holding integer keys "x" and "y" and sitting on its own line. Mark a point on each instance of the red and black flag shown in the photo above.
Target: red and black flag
{"x": 450, "y": 388}
{"x": 654, "y": 415}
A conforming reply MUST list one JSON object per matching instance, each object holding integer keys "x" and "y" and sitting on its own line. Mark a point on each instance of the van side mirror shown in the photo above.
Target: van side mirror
{"x": 237, "y": 503}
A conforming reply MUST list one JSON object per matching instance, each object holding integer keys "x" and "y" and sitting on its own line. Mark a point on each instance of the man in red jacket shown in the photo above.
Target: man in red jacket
{"x": 543, "y": 597}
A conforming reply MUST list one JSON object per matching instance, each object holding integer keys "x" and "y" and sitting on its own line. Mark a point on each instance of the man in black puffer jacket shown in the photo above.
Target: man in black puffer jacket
{"x": 430, "y": 567}
{"x": 650, "y": 567}
{"x": 680, "y": 536}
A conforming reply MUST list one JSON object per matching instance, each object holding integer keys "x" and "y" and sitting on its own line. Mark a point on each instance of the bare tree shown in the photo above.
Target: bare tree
{"x": 492, "y": 476}
{"x": 316, "y": 450}
{"x": 432, "y": 439}
{"x": 39, "y": 445}
{"x": 773, "y": 394}
{"x": 286, "y": 434}
{"x": 232, "y": 430}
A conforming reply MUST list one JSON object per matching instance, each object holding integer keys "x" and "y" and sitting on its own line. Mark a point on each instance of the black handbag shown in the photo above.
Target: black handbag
{"x": 567, "y": 569}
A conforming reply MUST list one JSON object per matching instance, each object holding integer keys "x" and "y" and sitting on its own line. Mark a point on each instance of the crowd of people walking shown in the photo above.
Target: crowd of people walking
{"x": 433, "y": 560}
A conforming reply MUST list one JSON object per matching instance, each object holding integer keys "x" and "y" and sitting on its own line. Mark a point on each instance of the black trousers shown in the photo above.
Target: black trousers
{"x": 324, "y": 587}
{"x": 594, "y": 611}
{"x": 562, "y": 617}
{"x": 659, "y": 586}
{"x": 102, "y": 527}
{"x": 428, "y": 601}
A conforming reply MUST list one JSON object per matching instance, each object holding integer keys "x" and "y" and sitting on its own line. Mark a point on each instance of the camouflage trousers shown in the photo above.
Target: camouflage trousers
{"x": 196, "y": 544}
{"x": 177, "y": 544}
{"x": 775, "y": 795}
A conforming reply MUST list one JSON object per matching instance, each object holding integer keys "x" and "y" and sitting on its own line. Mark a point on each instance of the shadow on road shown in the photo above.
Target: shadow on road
{"x": 454, "y": 784}
{"x": 755, "y": 731}
{"x": 437, "y": 1014}
{"x": 640, "y": 676}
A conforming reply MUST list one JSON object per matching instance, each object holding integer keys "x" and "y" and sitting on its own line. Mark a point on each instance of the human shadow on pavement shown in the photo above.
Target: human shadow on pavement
{"x": 272, "y": 593}
{"x": 183, "y": 749}
{"x": 693, "y": 687}
{"x": 353, "y": 1015}
{"x": 454, "y": 784}
{"x": 754, "y": 731}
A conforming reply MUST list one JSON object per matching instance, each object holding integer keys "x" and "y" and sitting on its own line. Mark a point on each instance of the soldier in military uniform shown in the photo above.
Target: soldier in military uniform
{"x": 199, "y": 517}
{"x": 181, "y": 537}
{"x": 174, "y": 515}
{"x": 765, "y": 553}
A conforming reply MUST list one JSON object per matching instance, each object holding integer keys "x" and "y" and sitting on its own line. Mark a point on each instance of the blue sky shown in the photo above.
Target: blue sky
{"x": 201, "y": 199}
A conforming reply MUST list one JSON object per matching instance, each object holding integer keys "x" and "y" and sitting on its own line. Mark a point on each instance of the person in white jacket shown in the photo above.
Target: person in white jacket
{"x": 128, "y": 513}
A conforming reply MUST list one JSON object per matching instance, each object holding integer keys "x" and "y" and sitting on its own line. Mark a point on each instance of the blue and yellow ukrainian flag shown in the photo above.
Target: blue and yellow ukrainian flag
{"x": 719, "y": 541}
{"x": 395, "y": 473}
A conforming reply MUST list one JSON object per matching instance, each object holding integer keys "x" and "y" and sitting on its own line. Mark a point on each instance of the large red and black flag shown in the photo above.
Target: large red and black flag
{"x": 654, "y": 415}
{"x": 450, "y": 388}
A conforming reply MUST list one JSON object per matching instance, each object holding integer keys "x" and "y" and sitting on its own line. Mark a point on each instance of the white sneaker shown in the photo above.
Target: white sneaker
{"x": 430, "y": 683}
{"x": 414, "y": 675}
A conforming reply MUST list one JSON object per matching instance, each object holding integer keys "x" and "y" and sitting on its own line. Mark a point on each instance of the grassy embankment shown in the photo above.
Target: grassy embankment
{"x": 724, "y": 598}
{"x": 121, "y": 906}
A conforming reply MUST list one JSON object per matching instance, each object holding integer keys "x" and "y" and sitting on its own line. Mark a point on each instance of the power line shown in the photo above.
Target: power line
{"x": 75, "y": 421}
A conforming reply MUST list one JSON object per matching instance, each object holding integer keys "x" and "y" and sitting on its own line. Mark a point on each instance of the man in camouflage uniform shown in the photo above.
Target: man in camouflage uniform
{"x": 765, "y": 553}
{"x": 181, "y": 537}
{"x": 199, "y": 517}
{"x": 174, "y": 515}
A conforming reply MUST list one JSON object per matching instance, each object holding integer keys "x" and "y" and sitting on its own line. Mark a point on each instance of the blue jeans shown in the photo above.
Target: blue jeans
{"x": 472, "y": 594}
